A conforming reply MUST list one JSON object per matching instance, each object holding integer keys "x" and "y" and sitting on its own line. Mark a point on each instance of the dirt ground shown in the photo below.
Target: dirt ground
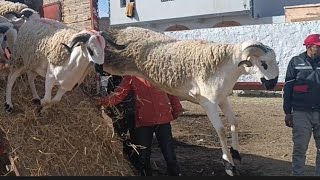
{"x": 265, "y": 141}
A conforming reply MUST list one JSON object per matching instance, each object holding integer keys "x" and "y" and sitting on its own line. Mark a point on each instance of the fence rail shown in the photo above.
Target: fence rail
{"x": 255, "y": 86}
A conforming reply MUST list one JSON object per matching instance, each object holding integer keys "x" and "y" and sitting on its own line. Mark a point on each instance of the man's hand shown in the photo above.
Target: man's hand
{"x": 175, "y": 115}
{"x": 288, "y": 120}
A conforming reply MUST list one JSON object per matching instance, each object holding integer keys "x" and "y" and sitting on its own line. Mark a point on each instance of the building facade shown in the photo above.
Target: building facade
{"x": 172, "y": 15}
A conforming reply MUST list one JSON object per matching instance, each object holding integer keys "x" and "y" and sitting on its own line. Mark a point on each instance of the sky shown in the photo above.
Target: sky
{"x": 103, "y": 8}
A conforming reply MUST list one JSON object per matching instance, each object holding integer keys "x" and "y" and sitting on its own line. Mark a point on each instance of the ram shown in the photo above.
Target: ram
{"x": 40, "y": 49}
{"x": 199, "y": 71}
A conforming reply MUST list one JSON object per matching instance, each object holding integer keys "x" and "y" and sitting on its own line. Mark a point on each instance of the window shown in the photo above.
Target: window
{"x": 123, "y": 3}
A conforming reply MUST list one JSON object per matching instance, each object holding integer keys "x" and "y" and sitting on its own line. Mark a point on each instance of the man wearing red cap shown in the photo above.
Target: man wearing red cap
{"x": 301, "y": 103}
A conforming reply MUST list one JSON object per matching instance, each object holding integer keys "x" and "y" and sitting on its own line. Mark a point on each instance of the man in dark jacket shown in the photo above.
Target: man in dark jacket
{"x": 301, "y": 103}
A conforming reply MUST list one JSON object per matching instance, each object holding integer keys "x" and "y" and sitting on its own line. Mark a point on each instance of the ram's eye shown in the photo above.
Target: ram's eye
{"x": 90, "y": 51}
{"x": 264, "y": 65}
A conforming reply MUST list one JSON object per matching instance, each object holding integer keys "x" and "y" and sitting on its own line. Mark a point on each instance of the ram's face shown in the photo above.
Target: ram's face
{"x": 267, "y": 69}
{"x": 95, "y": 47}
{"x": 260, "y": 61}
{"x": 4, "y": 45}
{"x": 3, "y": 40}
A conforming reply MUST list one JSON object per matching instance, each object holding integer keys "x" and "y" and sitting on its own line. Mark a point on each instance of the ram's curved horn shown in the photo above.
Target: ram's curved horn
{"x": 246, "y": 62}
{"x": 108, "y": 39}
{"x": 79, "y": 38}
{"x": 17, "y": 15}
{"x": 26, "y": 13}
{"x": 255, "y": 50}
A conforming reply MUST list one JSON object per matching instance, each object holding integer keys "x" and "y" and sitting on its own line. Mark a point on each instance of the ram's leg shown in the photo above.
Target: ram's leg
{"x": 14, "y": 74}
{"x": 211, "y": 109}
{"x": 35, "y": 97}
{"x": 55, "y": 99}
{"x": 85, "y": 74}
{"x": 227, "y": 111}
{"x": 49, "y": 84}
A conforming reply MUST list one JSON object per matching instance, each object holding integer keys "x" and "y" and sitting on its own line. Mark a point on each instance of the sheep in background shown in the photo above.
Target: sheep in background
{"x": 15, "y": 20}
{"x": 199, "y": 71}
{"x": 8, "y": 36}
{"x": 18, "y": 18}
{"x": 25, "y": 14}
{"x": 7, "y": 6}
{"x": 40, "y": 50}
{"x": 3, "y": 42}
{"x": 16, "y": 13}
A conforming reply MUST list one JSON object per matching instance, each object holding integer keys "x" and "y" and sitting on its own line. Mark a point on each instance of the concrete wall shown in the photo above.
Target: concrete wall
{"x": 285, "y": 38}
{"x": 200, "y": 23}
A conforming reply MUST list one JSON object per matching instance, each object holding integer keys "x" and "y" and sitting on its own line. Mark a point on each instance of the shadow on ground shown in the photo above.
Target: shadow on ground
{"x": 203, "y": 161}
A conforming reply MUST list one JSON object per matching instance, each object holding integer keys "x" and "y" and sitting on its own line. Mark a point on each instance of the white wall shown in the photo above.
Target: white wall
{"x": 151, "y": 10}
{"x": 201, "y": 23}
{"x": 285, "y": 38}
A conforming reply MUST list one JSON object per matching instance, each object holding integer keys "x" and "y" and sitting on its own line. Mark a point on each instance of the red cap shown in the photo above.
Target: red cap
{"x": 312, "y": 39}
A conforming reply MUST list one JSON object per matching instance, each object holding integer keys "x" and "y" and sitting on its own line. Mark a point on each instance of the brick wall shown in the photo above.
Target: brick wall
{"x": 75, "y": 13}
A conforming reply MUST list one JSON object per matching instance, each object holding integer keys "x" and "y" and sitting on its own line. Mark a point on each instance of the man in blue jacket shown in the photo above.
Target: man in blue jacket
{"x": 301, "y": 103}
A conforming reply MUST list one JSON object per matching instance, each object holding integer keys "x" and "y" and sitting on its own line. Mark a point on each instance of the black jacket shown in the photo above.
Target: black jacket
{"x": 302, "y": 84}
{"x": 127, "y": 106}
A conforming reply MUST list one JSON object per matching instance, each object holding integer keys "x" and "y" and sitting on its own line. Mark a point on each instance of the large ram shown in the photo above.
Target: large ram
{"x": 40, "y": 49}
{"x": 198, "y": 71}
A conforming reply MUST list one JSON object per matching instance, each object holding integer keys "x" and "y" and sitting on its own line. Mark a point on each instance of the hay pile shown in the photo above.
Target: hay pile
{"x": 71, "y": 139}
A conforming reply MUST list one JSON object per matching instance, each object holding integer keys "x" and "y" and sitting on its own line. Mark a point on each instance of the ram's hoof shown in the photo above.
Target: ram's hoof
{"x": 236, "y": 156}
{"x": 36, "y": 102}
{"x": 8, "y": 108}
{"x": 230, "y": 169}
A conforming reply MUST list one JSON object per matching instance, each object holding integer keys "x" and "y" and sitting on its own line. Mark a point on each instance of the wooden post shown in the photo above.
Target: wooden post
{"x": 94, "y": 15}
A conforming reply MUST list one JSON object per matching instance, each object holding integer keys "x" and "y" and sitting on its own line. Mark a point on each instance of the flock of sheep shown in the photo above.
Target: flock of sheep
{"x": 199, "y": 71}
